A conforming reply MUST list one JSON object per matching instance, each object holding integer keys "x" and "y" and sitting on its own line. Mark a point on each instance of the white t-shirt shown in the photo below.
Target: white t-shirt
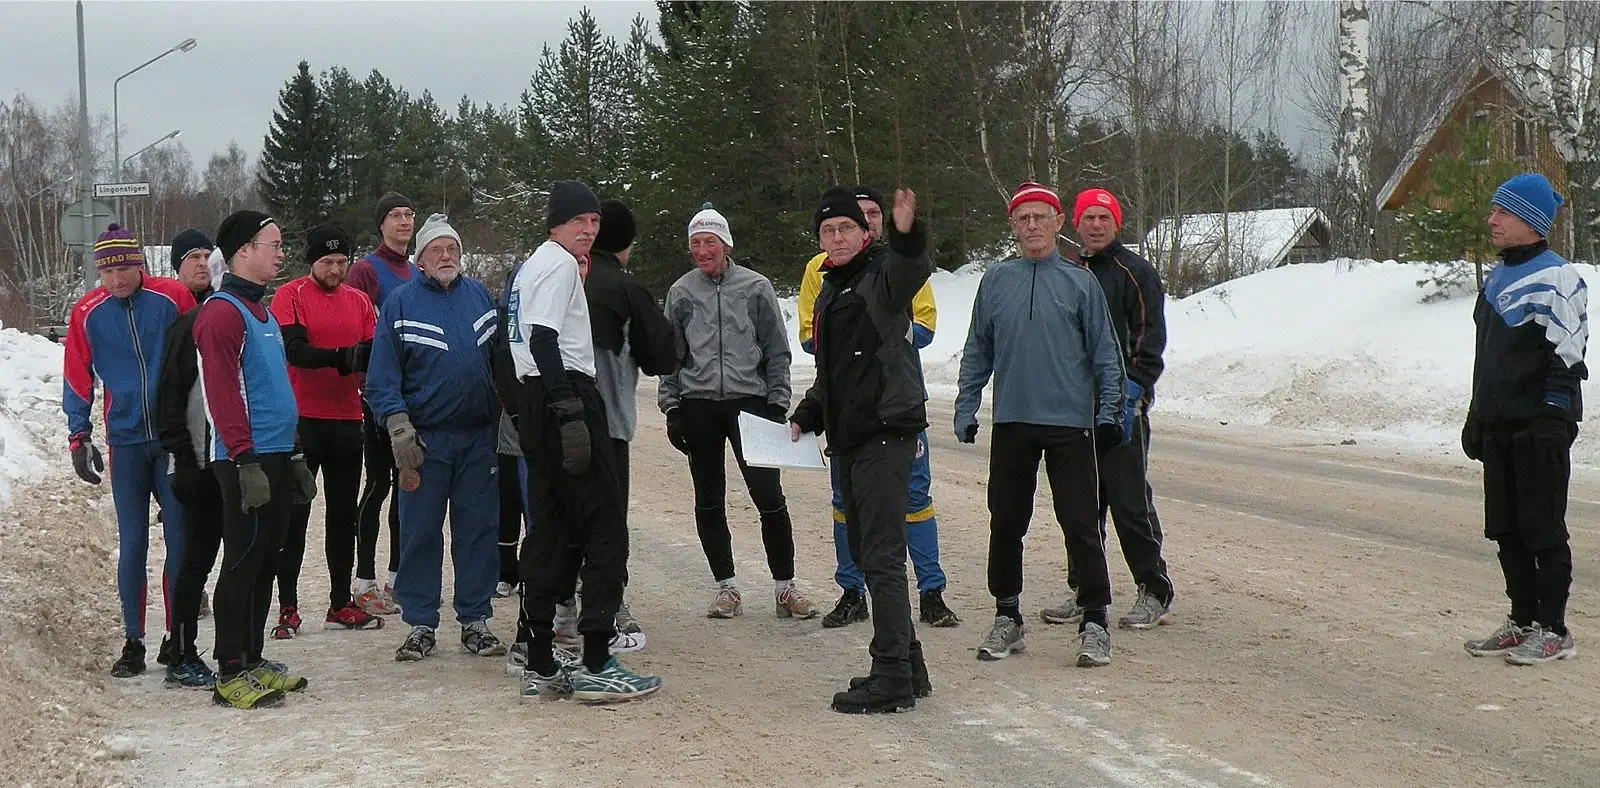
{"x": 548, "y": 292}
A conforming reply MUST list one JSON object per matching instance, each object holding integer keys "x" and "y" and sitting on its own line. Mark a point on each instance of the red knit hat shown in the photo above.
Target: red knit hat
{"x": 1089, "y": 198}
{"x": 1033, "y": 192}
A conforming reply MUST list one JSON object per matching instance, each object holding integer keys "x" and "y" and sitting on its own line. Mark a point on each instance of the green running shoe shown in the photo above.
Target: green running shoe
{"x": 244, "y": 691}
{"x": 276, "y": 676}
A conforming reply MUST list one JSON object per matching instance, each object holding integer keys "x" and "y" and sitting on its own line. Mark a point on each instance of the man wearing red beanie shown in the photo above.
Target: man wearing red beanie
{"x": 1134, "y": 294}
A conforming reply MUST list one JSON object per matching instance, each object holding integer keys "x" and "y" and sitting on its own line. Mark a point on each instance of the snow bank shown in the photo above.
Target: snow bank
{"x": 30, "y": 409}
{"x": 1343, "y": 347}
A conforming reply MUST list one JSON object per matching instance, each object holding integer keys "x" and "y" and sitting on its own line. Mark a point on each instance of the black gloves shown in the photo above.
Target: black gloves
{"x": 353, "y": 358}
{"x": 678, "y": 430}
{"x": 185, "y": 481}
{"x": 1551, "y": 430}
{"x": 968, "y": 433}
{"x": 1472, "y": 438}
{"x": 775, "y": 411}
{"x": 575, "y": 447}
{"x": 1107, "y": 436}
{"x": 86, "y": 458}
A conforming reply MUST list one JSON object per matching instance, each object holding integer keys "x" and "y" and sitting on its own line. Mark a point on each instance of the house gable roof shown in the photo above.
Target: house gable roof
{"x": 1262, "y": 237}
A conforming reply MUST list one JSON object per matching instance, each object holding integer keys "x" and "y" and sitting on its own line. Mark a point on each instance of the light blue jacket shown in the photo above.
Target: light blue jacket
{"x": 1041, "y": 328}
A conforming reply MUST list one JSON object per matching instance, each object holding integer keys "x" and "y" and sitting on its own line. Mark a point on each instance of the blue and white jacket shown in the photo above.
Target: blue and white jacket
{"x": 431, "y": 355}
{"x": 1532, "y": 333}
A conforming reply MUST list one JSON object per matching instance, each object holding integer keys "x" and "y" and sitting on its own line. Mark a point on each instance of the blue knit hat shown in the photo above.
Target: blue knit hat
{"x": 1530, "y": 198}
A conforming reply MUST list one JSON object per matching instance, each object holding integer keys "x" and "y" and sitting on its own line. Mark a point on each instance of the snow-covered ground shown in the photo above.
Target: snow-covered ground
{"x": 30, "y": 409}
{"x": 1347, "y": 348}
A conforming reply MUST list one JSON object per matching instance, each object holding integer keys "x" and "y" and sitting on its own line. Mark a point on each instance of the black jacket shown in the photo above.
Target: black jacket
{"x": 869, "y": 377}
{"x": 631, "y": 335}
{"x": 180, "y": 415}
{"x": 622, "y": 311}
{"x": 1138, "y": 311}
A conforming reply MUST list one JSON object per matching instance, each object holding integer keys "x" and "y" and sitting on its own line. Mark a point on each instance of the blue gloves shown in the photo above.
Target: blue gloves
{"x": 1130, "y": 408}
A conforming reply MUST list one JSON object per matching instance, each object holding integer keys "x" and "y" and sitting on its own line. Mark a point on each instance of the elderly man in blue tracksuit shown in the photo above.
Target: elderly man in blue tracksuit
{"x": 430, "y": 383}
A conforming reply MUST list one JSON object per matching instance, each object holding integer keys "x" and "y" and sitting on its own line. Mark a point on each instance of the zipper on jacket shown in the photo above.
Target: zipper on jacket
{"x": 144, "y": 385}
{"x": 722, "y": 363}
{"x": 1031, "y": 283}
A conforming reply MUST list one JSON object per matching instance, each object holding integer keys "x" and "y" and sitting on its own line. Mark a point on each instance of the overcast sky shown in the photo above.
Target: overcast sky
{"x": 226, "y": 88}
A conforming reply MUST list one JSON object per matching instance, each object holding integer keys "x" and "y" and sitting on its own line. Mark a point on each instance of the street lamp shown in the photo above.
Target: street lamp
{"x": 186, "y": 45}
{"x": 170, "y": 135}
{"x": 42, "y": 190}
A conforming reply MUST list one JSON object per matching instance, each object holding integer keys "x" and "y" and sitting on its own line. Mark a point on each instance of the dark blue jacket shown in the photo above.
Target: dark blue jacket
{"x": 432, "y": 355}
{"x": 1532, "y": 333}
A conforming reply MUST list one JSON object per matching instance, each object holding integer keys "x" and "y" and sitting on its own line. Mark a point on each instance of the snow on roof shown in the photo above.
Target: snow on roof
{"x": 1581, "y": 68}
{"x": 1463, "y": 85}
{"x": 1259, "y": 239}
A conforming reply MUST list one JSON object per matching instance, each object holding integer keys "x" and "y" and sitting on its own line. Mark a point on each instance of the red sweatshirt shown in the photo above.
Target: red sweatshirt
{"x": 331, "y": 319}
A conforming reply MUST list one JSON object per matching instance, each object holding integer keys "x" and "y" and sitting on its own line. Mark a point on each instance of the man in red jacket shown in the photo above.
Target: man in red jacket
{"x": 327, "y": 336}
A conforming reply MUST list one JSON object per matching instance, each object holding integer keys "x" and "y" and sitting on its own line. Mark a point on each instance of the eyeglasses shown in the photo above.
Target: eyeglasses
{"x": 276, "y": 246}
{"x": 1025, "y": 219}
{"x": 841, "y": 231}
{"x": 401, "y": 213}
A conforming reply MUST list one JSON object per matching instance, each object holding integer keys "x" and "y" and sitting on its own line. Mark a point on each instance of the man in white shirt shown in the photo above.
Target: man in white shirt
{"x": 576, "y": 521}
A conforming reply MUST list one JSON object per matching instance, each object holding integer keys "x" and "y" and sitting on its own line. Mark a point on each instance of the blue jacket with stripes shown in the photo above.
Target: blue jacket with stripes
{"x": 1532, "y": 333}
{"x": 431, "y": 355}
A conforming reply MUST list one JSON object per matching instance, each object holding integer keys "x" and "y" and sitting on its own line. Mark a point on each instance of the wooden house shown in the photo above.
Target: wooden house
{"x": 1486, "y": 98}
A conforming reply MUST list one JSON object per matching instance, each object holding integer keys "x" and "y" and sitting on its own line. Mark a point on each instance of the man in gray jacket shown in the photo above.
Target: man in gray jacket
{"x": 733, "y": 357}
{"x": 1041, "y": 327}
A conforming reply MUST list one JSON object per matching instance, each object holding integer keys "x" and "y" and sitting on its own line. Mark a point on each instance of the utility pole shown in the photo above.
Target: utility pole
{"x": 85, "y": 181}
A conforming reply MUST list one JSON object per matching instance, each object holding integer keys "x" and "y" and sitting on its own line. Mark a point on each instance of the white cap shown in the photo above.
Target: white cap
{"x": 709, "y": 221}
{"x": 437, "y": 226}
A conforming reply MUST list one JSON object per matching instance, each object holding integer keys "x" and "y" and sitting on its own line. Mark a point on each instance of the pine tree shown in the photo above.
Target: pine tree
{"x": 296, "y": 158}
{"x": 581, "y": 93}
{"x": 1450, "y": 226}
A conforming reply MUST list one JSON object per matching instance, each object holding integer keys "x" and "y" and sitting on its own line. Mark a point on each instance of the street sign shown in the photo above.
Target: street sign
{"x": 122, "y": 189}
{"x": 72, "y": 223}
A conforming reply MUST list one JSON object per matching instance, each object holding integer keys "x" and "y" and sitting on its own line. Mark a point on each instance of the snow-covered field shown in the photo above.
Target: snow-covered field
{"x": 1344, "y": 347}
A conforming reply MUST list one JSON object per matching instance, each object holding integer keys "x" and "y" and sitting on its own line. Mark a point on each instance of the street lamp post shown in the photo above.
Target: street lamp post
{"x": 186, "y": 45}
{"x": 170, "y": 135}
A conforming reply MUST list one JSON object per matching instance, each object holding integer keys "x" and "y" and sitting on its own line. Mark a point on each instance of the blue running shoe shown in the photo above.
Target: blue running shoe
{"x": 612, "y": 684}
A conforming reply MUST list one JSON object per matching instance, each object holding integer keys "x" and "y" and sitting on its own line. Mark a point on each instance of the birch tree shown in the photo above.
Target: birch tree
{"x": 1354, "y": 147}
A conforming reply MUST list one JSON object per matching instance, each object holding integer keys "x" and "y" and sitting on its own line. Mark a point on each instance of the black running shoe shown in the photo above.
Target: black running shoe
{"x": 169, "y": 654}
{"x": 875, "y": 696}
{"x": 131, "y": 663}
{"x": 935, "y": 611}
{"x": 852, "y": 607}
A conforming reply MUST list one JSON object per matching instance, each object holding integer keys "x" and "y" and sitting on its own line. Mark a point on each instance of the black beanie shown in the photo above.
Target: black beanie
{"x": 569, "y": 199}
{"x": 839, "y": 201}
{"x": 388, "y": 202}
{"x": 616, "y": 227}
{"x": 238, "y": 229}
{"x": 325, "y": 239}
{"x": 185, "y": 242}
{"x": 865, "y": 192}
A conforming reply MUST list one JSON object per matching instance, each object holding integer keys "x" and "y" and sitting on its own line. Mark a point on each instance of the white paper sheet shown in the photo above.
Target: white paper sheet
{"x": 767, "y": 445}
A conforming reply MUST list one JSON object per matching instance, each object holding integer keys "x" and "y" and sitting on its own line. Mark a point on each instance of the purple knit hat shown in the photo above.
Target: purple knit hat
{"x": 117, "y": 248}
